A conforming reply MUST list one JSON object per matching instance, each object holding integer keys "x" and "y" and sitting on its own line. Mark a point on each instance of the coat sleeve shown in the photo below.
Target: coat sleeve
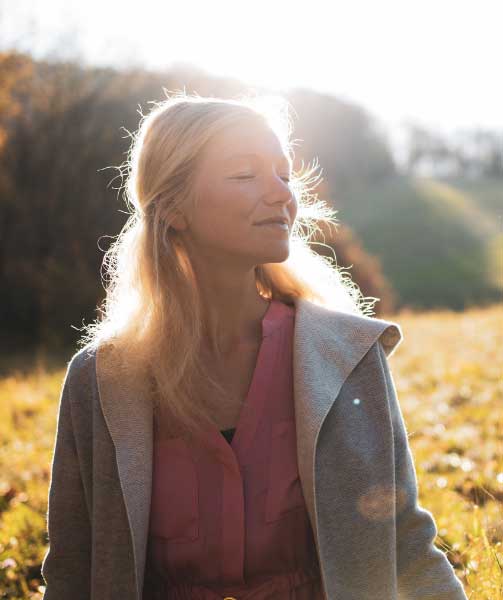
{"x": 423, "y": 571}
{"x": 66, "y": 567}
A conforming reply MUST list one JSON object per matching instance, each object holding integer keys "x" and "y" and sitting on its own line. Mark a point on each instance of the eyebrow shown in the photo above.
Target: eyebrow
{"x": 282, "y": 158}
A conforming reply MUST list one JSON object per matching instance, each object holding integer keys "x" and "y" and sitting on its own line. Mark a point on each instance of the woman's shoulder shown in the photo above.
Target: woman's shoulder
{"x": 80, "y": 376}
{"x": 349, "y": 330}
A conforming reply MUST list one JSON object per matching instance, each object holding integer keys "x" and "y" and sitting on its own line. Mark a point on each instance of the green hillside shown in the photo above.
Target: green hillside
{"x": 441, "y": 244}
{"x": 486, "y": 193}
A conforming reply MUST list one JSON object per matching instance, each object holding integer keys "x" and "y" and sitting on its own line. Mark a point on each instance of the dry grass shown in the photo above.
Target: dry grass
{"x": 449, "y": 378}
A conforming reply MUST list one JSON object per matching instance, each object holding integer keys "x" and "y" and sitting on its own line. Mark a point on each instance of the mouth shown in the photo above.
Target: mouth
{"x": 275, "y": 226}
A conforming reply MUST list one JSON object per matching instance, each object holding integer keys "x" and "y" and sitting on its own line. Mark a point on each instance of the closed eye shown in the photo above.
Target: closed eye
{"x": 287, "y": 179}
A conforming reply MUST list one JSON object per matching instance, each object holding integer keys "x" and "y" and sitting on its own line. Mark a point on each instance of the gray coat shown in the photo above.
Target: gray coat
{"x": 374, "y": 541}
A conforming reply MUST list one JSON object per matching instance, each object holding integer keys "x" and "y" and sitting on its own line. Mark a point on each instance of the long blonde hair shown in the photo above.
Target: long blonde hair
{"x": 152, "y": 311}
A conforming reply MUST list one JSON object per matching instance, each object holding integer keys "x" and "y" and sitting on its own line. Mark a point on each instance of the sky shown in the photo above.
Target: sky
{"x": 436, "y": 62}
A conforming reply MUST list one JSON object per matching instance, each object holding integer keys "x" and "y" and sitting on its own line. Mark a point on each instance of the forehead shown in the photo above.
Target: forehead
{"x": 245, "y": 141}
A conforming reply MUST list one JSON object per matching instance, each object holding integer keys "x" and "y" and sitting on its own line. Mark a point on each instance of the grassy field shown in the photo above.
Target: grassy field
{"x": 448, "y": 373}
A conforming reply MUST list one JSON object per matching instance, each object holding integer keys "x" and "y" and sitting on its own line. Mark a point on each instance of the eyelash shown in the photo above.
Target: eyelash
{"x": 250, "y": 176}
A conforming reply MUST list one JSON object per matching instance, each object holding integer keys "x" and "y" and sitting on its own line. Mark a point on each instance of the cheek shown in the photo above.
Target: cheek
{"x": 223, "y": 218}
{"x": 229, "y": 206}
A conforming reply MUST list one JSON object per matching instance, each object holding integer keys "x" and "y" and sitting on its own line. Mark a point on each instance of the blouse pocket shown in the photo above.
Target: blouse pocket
{"x": 284, "y": 492}
{"x": 175, "y": 504}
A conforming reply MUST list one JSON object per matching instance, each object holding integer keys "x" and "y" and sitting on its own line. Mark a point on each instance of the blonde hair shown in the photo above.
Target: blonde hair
{"x": 152, "y": 311}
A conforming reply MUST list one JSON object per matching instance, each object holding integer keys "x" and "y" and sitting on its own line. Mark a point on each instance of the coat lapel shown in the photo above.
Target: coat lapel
{"x": 327, "y": 347}
{"x": 129, "y": 417}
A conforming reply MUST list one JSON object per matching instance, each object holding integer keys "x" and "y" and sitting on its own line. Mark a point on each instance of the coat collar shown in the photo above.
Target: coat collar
{"x": 328, "y": 345}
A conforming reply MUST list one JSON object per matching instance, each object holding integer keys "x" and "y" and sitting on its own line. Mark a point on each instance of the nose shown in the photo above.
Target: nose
{"x": 280, "y": 190}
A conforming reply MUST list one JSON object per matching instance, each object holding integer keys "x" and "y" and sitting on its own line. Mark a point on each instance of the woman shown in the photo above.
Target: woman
{"x": 231, "y": 427}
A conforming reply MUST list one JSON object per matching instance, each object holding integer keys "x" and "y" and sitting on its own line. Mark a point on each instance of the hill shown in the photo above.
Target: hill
{"x": 439, "y": 243}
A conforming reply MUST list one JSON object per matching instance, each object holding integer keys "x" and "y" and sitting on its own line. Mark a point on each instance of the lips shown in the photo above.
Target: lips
{"x": 274, "y": 220}
{"x": 276, "y": 225}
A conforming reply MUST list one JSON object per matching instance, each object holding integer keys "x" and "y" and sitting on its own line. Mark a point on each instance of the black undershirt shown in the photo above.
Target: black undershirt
{"x": 228, "y": 434}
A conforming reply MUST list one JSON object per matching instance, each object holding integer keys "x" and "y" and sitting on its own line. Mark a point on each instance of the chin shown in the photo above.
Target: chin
{"x": 274, "y": 257}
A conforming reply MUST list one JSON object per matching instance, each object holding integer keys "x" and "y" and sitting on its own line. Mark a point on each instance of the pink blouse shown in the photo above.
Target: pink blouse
{"x": 238, "y": 527}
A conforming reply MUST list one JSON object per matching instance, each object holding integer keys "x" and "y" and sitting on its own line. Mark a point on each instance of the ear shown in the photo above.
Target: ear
{"x": 179, "y": 221}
